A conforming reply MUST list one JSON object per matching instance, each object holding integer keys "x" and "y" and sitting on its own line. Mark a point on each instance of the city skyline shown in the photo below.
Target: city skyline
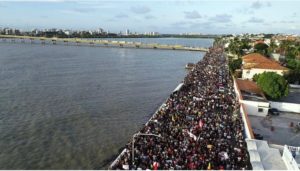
{"x": 206, "y": 17}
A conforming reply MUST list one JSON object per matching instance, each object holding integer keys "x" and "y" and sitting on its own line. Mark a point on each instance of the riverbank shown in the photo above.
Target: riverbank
{"x": 100, "y": 42}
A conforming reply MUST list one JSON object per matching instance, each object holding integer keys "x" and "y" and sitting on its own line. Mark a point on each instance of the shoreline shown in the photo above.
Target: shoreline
{"x": 114, "y": 162}
{"x": 96, "y": 43}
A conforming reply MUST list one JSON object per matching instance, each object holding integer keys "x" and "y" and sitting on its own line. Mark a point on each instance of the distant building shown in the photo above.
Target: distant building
{"x": 277, "y": 56}
{"x": 68, "y": 32}
{"x": 256, "y": 63}
{"x": 127, "y": 32}
{"x": 99, "y": 31}
{"x": 151, "y": 33}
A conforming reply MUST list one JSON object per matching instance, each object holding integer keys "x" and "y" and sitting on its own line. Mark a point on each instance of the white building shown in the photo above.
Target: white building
{"x": 127, "y": 32}
{"x": 277, "y": 56}
{"x": 256, "y": 63}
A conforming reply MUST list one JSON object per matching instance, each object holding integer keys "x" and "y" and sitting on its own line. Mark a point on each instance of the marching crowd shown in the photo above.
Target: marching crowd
{"x": 198, "y": 127}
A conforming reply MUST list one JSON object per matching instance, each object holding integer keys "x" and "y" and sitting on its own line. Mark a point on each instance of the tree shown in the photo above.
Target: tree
{"x": 272, "y": 47}
{"x": 245, "y": 44}
{"x": 255, "y": 77}
{"x": 293, "y": 77}
{"x": 273, "y": 85}
{"x": 235, "y": 64}
{"x": 261, "y": 48}
{"x": 235, "y": 47}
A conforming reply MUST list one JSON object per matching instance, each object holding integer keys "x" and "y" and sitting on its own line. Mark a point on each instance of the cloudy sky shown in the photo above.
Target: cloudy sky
{"x": 167, "y": 16}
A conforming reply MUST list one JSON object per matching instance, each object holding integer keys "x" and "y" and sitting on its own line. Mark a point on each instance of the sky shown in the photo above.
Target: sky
{"x": 163, "y": 16}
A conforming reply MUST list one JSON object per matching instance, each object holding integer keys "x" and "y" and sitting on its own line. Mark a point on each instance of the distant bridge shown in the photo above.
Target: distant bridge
{"x": 101, "y": 43}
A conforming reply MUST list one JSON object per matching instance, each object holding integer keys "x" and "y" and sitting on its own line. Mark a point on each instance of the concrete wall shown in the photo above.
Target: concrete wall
{"x": 286, "y": 107}
{"x": 244, "y": 114}
{"x": 289, "y": 160}
{"x": 295, "y": 86}
{"x": 275, "y": 56}
{"x": 249, "y": 73}
{"x": 253, "y": 106}
{"x": 247, "y": 124}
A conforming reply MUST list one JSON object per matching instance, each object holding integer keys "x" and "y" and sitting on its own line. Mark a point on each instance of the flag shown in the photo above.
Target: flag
{"x": 155, "y": 165}
{"x": 173, "y": 118}
{"x": 191, "y": 135}
{"x": 209, "y": 166}
{"x": 209, "y": 146}
{"x": 201, "y": 123}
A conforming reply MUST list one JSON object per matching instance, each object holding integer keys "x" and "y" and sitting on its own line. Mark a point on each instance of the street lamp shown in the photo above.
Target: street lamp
{"x": 142, "y": 134}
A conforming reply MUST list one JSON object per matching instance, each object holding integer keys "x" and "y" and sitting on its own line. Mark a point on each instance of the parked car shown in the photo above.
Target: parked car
{"x": 258, "y": 136}
{"x": 274, "y": 111}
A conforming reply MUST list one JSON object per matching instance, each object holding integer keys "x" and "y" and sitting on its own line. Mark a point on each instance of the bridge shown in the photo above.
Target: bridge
{"x": 100, "y": 43}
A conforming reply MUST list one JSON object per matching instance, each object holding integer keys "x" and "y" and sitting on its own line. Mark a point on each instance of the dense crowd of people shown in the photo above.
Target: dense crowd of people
{"x": 197, "y": 128}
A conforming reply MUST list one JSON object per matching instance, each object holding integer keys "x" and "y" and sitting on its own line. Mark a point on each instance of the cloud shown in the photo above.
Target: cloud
{"x": 255, "y": 20}
{"x": 149, "y": 17}
{"x": 44, "y": 16}
{"x": 287, "y": 22}
{"x": 121, "y": 15}
{"x": 180, "y": 23}
{"x": 222, "y": 18}
{"x": 206, "y": 25}
{"x": 140, "y": 9}
{"x": 192, "y": 15}
{"x": 258, "y": 4}
{"x": 83, "y": 10}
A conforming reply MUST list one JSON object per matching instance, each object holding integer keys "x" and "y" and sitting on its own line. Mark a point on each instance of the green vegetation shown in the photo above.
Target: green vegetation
{"x": 273, "y": 85}
{"x": 272, "y": 47}
{"x": 255, "y": 77}
{"x": 293, "y": 77}
{"x": 261, "y": 48}
{"x": 238, "y": 46}
{"x": 291, "y": 49}
{"x": 235, "y": 64}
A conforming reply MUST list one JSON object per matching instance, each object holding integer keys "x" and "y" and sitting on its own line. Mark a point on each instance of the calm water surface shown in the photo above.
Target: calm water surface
{"x": 68, "y": 107}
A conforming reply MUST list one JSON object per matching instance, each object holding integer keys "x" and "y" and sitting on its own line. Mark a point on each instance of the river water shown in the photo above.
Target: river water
{"x": 69, "y": 107}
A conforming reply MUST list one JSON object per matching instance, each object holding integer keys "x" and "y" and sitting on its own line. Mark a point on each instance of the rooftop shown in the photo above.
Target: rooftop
{"x": 293, "y": 97}
{"x": 256, "y": 60}
{"x": 263, "y": 157}
{"x": 250, "y": 91}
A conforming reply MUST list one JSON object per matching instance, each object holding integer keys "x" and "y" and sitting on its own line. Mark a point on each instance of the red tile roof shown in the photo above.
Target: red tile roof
{"x": 249, "y": 86}
{"x": 256, "y": 60}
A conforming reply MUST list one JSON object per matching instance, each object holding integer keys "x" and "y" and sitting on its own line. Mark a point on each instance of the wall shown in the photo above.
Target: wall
{"x": 289, "y": 160}
{"x": 244, "y": 114}
{"x": 294, "y": 86}
{"x": 252, "y": 107}
{"x": 254, "y": 71}
{"x": 247, "y": 124}
{"x": 286, "y": 107}
{"x": 275, "y": 56}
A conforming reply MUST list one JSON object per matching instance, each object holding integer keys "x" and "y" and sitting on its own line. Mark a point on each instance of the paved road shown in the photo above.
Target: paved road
{"x": 282, "y": 133}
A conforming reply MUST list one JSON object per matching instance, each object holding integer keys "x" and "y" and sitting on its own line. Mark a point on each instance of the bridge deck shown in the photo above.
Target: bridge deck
{"x": 107, "y": 43}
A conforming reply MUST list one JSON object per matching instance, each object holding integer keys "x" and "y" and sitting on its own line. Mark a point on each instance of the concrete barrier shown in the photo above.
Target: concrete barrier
{"x": 289, "y": 160}
{"x": 286, "y": 107}
{"x": 243, "y": 112}
{"x": 294, "y": 86}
